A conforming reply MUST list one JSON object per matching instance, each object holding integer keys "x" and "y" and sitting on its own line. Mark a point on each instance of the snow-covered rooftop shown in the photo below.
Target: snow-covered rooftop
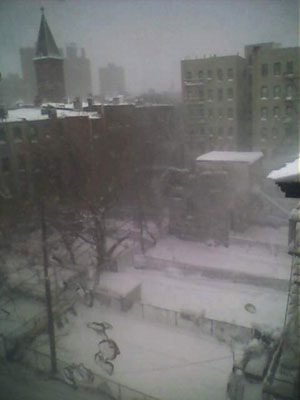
{"x": 236, "y": 156}
{"x": 289, "y": 173}
{"x": 34, "y": 113}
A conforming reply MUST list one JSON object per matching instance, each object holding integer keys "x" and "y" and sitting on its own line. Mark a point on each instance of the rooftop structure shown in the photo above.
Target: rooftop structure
{"x": 231, "y": 156}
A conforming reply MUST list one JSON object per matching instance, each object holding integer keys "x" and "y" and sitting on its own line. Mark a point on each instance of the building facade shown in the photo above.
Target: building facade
{"x": 28, "y": 74}
{"x": 112, "y": 81}
{"x": 77, "y": 73}
{"x": 274, "y": 77}
{"x": 243, "y": 103}
{"x": 216, "y": 98}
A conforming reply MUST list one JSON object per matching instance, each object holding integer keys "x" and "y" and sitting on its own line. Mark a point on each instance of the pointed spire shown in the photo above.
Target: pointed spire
{"x": 46, "y": 46}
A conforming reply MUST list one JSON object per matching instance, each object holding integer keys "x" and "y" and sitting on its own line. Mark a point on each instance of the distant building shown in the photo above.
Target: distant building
{"x": 274, "y": 75}
{"x": 236, "y": 103}
{"x": 77, "y": 73}
{"x": 49, "y": 67}
{"x": 28, "y": 74}
{"x": 216, "y": 99}
{"x": 112, "y": 81}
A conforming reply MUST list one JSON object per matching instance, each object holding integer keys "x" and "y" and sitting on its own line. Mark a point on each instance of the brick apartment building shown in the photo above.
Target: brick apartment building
{"x": 215, "y": 94}
{"x": 237, "y": 103}
{"x": 274, "y": 78}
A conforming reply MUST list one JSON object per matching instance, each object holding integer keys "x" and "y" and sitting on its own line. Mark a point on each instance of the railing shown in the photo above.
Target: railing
{"x": 117, "y": 391}
{"x": 223, "y": 331}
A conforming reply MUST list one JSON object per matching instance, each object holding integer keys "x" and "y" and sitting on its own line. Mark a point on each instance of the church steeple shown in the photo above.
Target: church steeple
{"x": 46, "y": 46}
{"x": 49, "y": 67}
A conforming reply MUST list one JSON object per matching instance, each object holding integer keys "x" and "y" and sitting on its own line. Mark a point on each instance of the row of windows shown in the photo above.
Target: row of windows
{"x": 264, "y": 92}
{"x": 209, "y": 74}
{"x": 18, "y": 135}
{"x": 198, "y": 92}
{"x": 277, "y": 68}
{"x": 265, "y": 134}
{"x": 211, "y": 131}
{"x": 6, "y": 164}
{"x": 264, "y": 112}
{"x": 198, "y": 111}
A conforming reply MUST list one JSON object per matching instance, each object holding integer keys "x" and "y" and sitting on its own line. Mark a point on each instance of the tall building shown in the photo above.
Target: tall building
{"x": 274, "y": 75}
{"x": 112, "y": 81}
{"x": 28, "y": 74}
{"x": 237, "y": 103}
{"x": 48, "y": 64}
{"x": 216, "y": 98}
{"x": 77, "y": 73}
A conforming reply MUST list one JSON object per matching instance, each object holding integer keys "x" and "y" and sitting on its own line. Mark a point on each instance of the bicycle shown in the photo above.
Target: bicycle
{"x": 100, "y": 327}
{"x": 108, "y": 351}
{"x": 77, "y": 373}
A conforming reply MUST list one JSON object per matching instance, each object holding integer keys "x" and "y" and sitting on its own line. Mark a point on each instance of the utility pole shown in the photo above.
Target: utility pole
{"x": 48, "y": 288}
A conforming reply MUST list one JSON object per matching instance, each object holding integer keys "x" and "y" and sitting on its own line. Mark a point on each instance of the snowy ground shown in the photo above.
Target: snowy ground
{"x": 249, "y": 259}
{"x": 155, "y": 359}
{"x": 216, "y": 299}
{"x": 16, "y": 311}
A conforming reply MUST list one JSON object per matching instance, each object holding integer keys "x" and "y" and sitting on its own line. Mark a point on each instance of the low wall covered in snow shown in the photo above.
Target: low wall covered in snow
{"x": 223, "y": 331}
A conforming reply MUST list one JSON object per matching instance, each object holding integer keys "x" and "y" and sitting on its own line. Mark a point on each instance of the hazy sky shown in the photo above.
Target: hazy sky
{"x": 147, "y": 37}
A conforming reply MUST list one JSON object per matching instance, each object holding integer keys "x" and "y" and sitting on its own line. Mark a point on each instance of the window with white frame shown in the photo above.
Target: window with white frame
{"x": 264, "y": 113}
{"x": 264, "y": 92}
{"x": 276, "y": 92}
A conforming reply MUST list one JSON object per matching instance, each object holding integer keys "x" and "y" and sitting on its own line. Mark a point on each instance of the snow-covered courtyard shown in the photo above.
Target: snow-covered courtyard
{"x": 165, "y": 362}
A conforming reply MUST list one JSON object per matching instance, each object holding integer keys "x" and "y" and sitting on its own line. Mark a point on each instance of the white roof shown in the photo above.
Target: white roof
{"x": 237, "y": 156}
{"x": 34, "y": 113}
{"x": 290, "y": 172}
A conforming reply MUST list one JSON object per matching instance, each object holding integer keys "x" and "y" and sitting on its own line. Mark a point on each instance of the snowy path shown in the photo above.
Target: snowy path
{"x": 247, "y": 259}
{"x": 155, "y": 359}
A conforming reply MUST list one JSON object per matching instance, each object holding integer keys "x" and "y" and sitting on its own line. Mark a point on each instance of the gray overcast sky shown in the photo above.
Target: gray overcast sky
{"x": 147, "y": 37}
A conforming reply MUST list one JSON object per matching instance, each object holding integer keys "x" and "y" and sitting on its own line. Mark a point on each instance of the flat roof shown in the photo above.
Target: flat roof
{"x": 34, "y": 114}
{"x": 231, "y": 156}
{"x": 289, "y": 173}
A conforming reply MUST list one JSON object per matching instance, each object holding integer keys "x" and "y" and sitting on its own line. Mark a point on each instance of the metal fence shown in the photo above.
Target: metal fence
{"x": 101, "y": 384}
{"x": 192, "y": 321}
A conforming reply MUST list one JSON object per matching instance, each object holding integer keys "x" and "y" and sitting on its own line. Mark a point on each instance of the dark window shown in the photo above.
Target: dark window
{"x": 289, "y": 67}
{"x": 209, "y": 74}
{"x": 200, "y": 75}
{"x": 264, "y": 113}
{"x": 230, "y": 93}
{"x": 210, "y": 112}
{"x": 276, "y": 112}
{"x": 289, "y": 91}
{"x": 289, "y": 110}
{"x": 201, "y": 93}
{"x": 21, "y": 163}
{"x": 188, "y": 75}
{"x": 220, "y": 112}
{"x": 277, "y": 68}
{"x": 17, "y": 134}
{"x": 264, "y": 133}
{"x": 230, "y": 73}
{"x": 220, "y": 94}
{"x": 264, "y": 92}
{"x": 2, "y": 136}
{"x": 220, "y": 74}
{"x": 5, "y": 164}
{"x": 274, "y": 133}
{"x": 33, "y": 134}
{"x": 188, "y": 92}
{"x": 209, "y": 94}
{"x": 264, "y": 69}
{"x": 276, "y": 91}
{"x": 230, "y": 112}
